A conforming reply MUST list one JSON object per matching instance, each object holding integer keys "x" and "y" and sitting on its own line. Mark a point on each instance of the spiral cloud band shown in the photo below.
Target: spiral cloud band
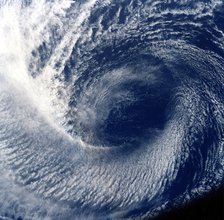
{"x": 109, "y": 109}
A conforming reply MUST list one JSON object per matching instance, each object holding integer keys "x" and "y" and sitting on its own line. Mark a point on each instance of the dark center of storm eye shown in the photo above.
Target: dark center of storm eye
{"x": 139, "y": 113}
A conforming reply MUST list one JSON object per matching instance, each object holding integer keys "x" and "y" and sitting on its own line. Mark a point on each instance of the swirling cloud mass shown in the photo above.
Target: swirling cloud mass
{"x": 109, "y": 109}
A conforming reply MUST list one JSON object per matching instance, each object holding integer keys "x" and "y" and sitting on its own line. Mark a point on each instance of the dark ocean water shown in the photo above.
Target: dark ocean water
{"x": 109, "y": 109}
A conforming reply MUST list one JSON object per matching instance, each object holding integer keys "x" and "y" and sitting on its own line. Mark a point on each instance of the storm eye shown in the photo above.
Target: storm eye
{"x": 126, "y": 106}
{"x": 137, "y": 114}
{"x": 140, "y": 116}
